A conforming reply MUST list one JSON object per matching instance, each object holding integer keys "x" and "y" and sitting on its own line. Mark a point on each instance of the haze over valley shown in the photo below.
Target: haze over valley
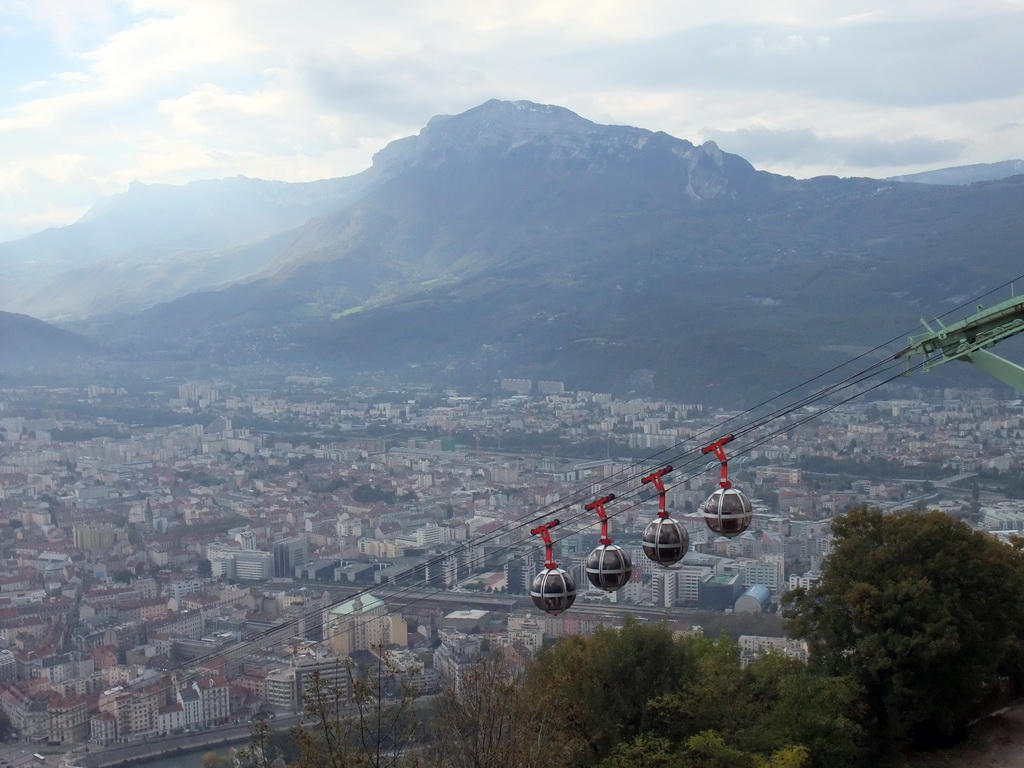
{"x": 522, "y": 240}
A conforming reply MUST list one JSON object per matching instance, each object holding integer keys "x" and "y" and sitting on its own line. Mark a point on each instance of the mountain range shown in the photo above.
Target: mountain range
{"x": 26, "y": 342}
{"x": 522, "y": 240}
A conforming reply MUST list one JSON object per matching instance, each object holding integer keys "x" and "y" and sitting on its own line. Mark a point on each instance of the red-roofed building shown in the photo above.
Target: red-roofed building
{"x": 104, "y": 657}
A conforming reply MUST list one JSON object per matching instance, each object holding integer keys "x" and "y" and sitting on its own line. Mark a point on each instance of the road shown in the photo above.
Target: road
{"x": 100, "y": 757}
{"x": 18, "y": 754}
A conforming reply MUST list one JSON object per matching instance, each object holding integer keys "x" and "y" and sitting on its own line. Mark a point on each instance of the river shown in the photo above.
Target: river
{"x": 186, "y": 759}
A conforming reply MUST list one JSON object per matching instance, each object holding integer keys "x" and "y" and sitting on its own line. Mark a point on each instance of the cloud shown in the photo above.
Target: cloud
{"x": 56, "y": 194}
{"x": 876, "y": 59}
{"x": 797, "y": 147}
{"x": 173, "y": 90}
{"x": 389, "y": 89}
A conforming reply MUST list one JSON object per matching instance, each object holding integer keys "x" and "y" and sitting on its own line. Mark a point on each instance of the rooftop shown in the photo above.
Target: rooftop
{"x": 356, "y": 605}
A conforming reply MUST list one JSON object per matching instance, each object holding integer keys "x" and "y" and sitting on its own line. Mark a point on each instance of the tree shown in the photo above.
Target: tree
{"x": 770, "y": 498}
{"x": 706, "y": 749}
{"x": 489, "y": 720}
{"x": 645, "y": 751}
{"x": 266, "y": 746}
{"x": 773, "y": 705}
{"x": 257, "y": 754}
{"x": 205, "y": 568}
{"x": 213, "y": 760}
{"x": 365, "y": 720}
{"x": 640, "y": 696}
{"x": 921, "y": 612}
{"x": 710, "y": 699}
{"x": 385, "y": 720}
{"x": 795, "y": 705}
{"x": 975, "y": 507}
{"x": 597, "y": 689}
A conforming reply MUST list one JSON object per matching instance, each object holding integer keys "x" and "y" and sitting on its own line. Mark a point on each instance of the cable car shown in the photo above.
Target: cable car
{"x": 553, "y": 589}
{"x": 609, "y": 566}
{"x": 727, "y": 511}
{"x": 665, "y": 540}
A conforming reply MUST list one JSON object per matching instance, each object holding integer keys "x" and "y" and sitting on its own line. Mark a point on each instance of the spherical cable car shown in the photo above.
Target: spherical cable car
{"x": 665, "y": 540}
{"x": 553, "y": 589}
{"x": 727, "y": 511}
{"x": 609, "y": 566}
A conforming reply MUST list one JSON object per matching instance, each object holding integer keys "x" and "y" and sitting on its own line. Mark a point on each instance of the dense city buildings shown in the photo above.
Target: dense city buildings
{"x": 289, "y": 554}
{"x": 179, "y": 556}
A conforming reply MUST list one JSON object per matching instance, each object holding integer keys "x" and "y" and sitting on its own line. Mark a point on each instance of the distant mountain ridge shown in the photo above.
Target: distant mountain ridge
{"x": 470, "y": 194}
{"x": 966, "y": 174}
{"x": 157, "y": 242}
{"x": 26, "y": 341}
{"x": 523, "y": 240}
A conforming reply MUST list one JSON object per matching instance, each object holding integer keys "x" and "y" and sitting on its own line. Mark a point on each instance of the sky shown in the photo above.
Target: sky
{"x": 95, "y": 94}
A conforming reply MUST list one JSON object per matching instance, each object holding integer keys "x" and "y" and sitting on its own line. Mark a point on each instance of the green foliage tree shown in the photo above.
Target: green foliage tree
{"x": 903, "y": 599}
{"x": 707, "y": 749}
{"x": 921, "y": 612}
{"x": 794, "y": 705}
{"x": 645, "y": 751}
{"x": 875, "y": 468}
{"x": 974, "y": 510}
{"x": 710, "y": 699}
{"x": 772, "y": 705}
{"x": 598, "y": 688}
{"x": 367, "y": 494}
{"x": 770, "y": 498}
{"x": 640, "y": 696}
{"x": 197, "y": 477}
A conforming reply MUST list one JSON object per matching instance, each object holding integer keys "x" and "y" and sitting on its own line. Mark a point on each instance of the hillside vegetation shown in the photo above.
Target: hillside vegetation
{"x": 521, "y": 240}
{"x": 914, "y": 634}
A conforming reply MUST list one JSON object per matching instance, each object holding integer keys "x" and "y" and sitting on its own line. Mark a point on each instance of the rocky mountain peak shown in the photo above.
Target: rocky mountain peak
{"x": 493, "y": 127}
{"x": 549, "y": 134}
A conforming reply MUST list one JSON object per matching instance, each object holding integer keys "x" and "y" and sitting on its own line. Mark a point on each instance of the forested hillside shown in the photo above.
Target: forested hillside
{"x": 914, "y": 631}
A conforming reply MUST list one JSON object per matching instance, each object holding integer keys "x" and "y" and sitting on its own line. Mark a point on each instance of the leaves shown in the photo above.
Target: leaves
{"x": 918, "y": 609}
{"x": 640, "y": 696}
{"x": 601, "y": 686}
